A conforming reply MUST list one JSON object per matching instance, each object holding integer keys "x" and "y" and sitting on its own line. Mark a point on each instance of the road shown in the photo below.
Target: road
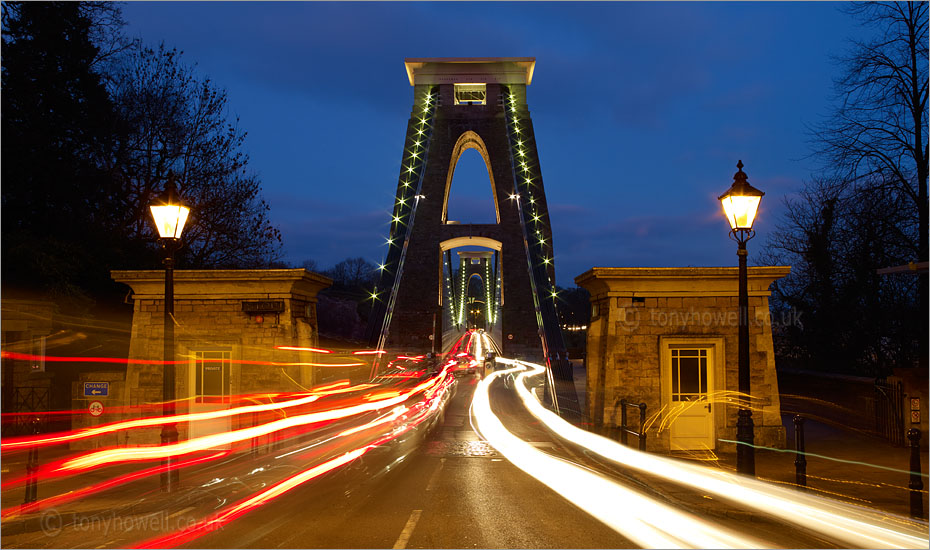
{"x": 454, "y": 491}
{"x": 441, "y": 486}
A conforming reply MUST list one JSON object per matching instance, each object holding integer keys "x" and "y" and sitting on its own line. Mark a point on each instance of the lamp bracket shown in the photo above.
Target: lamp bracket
{"x": 742, "y": 236}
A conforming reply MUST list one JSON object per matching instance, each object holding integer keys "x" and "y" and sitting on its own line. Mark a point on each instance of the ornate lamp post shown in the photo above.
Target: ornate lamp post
{"x": 170, "y": 214}
{"x": 740, "y": 204}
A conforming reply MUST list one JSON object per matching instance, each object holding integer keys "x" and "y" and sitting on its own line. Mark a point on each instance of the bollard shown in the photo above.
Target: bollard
{"x": 642, "y": 426}
{"x": 623, "y": 421}
{"x": 255, "y": 439}
{"x": 800, "y": 460}
{"x": 915, "y": 484}
{"x": 32, "y": 468}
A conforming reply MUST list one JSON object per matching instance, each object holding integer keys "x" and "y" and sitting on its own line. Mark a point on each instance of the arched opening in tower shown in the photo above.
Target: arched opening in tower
{"x": 471, "y": 199}
{"x": 472, "y": 291}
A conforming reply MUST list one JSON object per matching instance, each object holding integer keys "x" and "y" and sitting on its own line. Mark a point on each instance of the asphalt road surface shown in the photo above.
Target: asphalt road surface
{"x": 443, "y": 487}
{"x": 453, "y": 491}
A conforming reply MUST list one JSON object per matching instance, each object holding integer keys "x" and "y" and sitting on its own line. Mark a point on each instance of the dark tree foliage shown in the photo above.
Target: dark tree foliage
{"x": 175, "y": 122}
{"x": 834, "y": 311}
{"x": 574, "y": 309}
{"x": 344, "y": 308}
{"x": 574, "y": 306}
{"x": 353, "y": 272}
{"x": 866, "y": 211}
{"x": 92, "y": 123}
{"x": 57, "y": 124}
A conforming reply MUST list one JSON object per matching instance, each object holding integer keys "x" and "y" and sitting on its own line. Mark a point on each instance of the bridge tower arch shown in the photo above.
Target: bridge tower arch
{"x": 463, "y": 103}
{"x": 468, "y": 140}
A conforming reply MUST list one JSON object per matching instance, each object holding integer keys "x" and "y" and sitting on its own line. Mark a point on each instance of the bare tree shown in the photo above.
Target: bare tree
{"x": 353, "y": 272}
{"x": 174, "y": 121}
{"x": 877, "y": 136}
{"x": 866, "y": 210}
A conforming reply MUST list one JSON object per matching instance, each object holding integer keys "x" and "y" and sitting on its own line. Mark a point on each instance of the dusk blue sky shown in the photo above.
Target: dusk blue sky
{"x": 641, "y": 111}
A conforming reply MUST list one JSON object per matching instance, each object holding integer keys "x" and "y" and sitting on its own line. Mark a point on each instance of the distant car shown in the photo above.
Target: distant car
{"x": 465, "y": 363}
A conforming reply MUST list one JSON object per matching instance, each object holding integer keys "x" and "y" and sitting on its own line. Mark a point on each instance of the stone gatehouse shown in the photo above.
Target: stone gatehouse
{"x": 230, "y": 327}
{"x": 668, "y": 337}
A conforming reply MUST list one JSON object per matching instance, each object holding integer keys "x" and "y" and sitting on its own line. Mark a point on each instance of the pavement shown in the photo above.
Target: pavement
{"x": 842, "y": 463}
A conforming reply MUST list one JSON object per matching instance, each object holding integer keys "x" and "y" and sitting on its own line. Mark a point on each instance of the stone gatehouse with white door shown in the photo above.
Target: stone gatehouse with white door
{"x": 668, "y": 337}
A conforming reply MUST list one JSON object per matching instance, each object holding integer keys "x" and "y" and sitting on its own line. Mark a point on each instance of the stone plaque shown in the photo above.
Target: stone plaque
{"x": 263, "y": 306}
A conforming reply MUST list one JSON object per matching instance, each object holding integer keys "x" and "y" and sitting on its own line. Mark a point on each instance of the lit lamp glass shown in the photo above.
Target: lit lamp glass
{"x": 170, "y": 213}
{"x": 741, "y": 201}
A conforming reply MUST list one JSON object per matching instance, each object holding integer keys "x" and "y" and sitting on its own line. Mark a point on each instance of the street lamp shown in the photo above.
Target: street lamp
{"x": 170, "y": 214}
{"x": 740, "y": 204}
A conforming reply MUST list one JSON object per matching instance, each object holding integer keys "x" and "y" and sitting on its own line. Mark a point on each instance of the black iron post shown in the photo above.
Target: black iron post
{"x": 623, "y": 426}
{"x": 915, "y": 484}
{"x": 745, "y": 452}
{"x": 800, "y": 459}
{"x": 170, "y": 477}
{"x": 433, "y": 337}
{"x": 642, "y": 426}
{"x": 32, "y": 469}
{"x": 740, "y": 203}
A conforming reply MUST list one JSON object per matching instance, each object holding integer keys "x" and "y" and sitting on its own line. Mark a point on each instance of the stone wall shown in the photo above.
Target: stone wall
{"x": 637, "y": 313}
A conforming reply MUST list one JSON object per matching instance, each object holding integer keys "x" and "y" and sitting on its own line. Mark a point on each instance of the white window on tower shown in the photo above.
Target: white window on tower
{"x": 471, "y": 94}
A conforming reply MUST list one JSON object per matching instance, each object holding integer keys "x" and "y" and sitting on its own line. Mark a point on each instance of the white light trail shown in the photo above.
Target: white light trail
{"x": 635, "y": 516}
{"x": 858, "y": 526}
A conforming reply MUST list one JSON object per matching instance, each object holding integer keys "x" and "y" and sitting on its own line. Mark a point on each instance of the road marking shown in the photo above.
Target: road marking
{"x": 435, "y": 477}
{"x": 408, "y": 530}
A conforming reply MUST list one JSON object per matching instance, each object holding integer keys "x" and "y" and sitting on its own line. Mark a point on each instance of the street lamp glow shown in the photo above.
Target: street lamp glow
{"x": 741, "y": 201}
{"x": 169, "y": 212}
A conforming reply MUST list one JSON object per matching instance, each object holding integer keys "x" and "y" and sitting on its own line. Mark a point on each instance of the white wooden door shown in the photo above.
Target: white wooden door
{"x": 692, "y": 381}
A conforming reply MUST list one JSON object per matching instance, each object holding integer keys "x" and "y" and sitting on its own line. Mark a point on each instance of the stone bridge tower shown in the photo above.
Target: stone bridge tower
{"x": 460, "y": 104}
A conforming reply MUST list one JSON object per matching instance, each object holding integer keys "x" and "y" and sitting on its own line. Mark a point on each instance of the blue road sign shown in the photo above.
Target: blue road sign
{"x": 96, "y": 389}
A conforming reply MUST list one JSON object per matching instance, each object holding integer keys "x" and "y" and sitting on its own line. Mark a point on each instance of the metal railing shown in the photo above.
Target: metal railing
{"x": 889, "y": 411}
{"x": 625, "y": 428}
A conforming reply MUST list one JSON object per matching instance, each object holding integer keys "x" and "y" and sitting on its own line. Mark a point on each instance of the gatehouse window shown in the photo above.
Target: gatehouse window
{"x": 689, "y": 374}
{"x": 471, "y": 94}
